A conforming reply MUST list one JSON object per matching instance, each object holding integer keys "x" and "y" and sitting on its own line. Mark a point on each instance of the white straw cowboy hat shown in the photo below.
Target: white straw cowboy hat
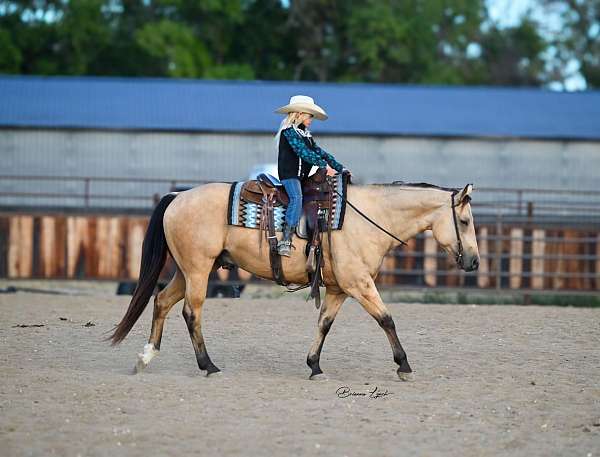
{"x": 303, "y": 104}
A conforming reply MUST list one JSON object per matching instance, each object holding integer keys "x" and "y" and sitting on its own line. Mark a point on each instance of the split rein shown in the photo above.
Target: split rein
{"x": 372, "y": 221}
{"x": 459, "y": 254}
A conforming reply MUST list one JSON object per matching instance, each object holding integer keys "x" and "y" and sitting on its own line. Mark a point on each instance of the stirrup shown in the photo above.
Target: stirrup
{"x": 284, "y": 247}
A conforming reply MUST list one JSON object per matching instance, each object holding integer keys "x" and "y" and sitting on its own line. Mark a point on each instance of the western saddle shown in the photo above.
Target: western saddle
{"x": 317, "y": 194}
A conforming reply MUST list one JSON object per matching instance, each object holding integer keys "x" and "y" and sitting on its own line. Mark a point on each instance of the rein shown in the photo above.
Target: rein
{"x": 372, "y": 221}
{"x": 459, "y": 254}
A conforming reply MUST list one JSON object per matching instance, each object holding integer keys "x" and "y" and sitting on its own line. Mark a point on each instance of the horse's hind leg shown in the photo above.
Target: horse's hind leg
{"x": 368, "y": 296}
{"x": 195, "y": 294}
{"x": 163, "y": 302}
{"x": 333, "y": 301}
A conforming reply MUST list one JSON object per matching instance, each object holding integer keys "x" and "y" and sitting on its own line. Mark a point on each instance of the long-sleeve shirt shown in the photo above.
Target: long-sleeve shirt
{"x": 298, "y": 154}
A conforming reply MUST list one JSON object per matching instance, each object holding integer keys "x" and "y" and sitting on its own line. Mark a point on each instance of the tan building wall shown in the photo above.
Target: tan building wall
{"x": 228, "y": 157}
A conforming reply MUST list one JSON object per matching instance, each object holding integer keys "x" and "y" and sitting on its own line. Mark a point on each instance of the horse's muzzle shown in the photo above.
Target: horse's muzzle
{"x": 472, "y": 265}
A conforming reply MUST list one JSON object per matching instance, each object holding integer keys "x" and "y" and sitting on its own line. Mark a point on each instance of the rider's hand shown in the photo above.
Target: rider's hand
{"x": 330, "y": 171}
{"x": 345, "y": 171}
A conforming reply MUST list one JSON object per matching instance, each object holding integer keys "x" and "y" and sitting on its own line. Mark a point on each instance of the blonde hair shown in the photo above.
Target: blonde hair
{"x": 291, "y": 119}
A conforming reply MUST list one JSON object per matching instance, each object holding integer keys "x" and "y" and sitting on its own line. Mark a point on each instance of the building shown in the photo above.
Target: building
{"x": 147, "y": 130}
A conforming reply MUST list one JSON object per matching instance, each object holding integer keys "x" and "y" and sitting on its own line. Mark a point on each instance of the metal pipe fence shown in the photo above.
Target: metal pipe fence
{"x": 529, "y": 239}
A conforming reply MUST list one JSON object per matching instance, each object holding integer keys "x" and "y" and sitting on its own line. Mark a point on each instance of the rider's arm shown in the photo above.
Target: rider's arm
{"x": 330, "y": 159}
{"x": 304, "y": 152}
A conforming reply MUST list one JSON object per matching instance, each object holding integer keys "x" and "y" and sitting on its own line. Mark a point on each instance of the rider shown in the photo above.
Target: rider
{"x": 298, "y": 152}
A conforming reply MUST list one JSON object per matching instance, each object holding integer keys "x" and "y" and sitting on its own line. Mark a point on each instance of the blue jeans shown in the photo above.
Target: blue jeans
{"x": 294, "y": 209}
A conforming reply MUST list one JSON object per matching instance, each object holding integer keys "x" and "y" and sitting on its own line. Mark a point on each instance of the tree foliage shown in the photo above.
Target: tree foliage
{"x": 413, "y": 41}
{"x": 578, "y": 41}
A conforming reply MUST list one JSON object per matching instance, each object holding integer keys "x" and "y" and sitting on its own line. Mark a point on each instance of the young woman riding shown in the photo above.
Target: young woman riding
{"x": 298, "y": 153}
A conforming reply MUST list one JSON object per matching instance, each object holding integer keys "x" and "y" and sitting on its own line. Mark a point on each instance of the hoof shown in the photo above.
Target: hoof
{"x": 318, "y": 377}
{"x": 144, "y": 358}
{"x": 404, "y": 367}
{"x": 405, "y": 377}
{"x": 139, "y": 366}
{"x": 214, "y": 374}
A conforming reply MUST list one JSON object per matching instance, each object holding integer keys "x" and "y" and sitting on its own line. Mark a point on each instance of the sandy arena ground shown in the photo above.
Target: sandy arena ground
{"x": 489, "y": 380}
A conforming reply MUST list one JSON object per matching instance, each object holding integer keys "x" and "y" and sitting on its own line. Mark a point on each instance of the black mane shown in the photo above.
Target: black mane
{"x": 422, "y": 185}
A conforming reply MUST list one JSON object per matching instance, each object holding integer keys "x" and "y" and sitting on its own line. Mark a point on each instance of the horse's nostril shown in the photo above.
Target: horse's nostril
{"x": 475, "y": 263}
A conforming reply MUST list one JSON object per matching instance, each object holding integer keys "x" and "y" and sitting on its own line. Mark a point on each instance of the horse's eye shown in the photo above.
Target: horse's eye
{"x": 464, "y": 221}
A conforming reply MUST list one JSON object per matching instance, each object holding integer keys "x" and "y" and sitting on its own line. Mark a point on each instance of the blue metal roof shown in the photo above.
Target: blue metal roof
{"x": 247, "y": 106}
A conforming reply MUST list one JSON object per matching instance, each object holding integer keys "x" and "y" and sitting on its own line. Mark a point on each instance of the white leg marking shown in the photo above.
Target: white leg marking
{"x": 144, "y": 358}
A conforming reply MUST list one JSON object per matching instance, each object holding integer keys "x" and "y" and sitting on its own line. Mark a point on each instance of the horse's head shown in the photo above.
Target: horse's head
{"x": 454, "y": 229}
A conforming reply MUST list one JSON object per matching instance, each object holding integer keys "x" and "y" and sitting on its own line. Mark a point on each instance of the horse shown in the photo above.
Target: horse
{"x": 192, "y": 226}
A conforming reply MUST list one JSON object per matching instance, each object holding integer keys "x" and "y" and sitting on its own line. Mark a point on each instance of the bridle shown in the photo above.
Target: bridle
{"x": 460, "y": 251}
{"x": 459, "y": 254}
{"x": 372, "y": 221}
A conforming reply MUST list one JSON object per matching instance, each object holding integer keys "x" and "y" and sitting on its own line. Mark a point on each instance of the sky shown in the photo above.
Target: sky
{"x": 509, "y": 12}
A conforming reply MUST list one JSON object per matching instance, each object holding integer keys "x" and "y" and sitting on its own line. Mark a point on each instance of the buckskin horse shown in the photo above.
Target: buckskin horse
{"x": 192, "y": 226}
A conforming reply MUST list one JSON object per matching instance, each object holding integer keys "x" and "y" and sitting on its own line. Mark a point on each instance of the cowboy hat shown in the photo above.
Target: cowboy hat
{"x": 303, "y": 104}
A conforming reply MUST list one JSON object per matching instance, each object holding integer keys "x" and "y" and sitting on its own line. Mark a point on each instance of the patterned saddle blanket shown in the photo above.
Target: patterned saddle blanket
{"x": 247, "y": 198}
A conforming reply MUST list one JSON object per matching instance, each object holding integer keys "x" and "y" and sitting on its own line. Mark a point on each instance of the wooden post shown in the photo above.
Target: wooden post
{"x": 538, "y": 246}
{"x": 598, "y": 261}
{"x": 135, "y": 237}
{"x": 20, "y": 247}
{"x": 555, "y": 264}
{"x": 430, "y": 259}
{"x": 572, "y": 266}
{"x": 516, "y": 258}
{"x": 47, "y": 246}
{"x": 483, "y": 278}
{"x": 77, "y": 243}
{"x": 498, "y": 252}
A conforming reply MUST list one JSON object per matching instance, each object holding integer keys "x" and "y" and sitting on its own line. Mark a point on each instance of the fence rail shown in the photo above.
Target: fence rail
{"x": 529, "y": 239}
{"x": 25, "y": 191}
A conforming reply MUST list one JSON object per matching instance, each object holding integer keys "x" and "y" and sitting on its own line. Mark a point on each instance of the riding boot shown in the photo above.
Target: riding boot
{"x": 284, "y": 247}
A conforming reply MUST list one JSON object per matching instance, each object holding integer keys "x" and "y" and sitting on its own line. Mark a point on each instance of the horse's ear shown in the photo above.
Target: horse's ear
{"x": 465, "y": 195}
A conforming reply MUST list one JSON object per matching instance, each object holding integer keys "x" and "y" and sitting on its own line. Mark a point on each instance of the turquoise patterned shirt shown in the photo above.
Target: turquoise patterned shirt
{"x": 316, "y": 156}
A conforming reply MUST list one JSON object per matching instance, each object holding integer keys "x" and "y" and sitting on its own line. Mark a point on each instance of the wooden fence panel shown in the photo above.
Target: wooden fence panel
{"x": 430, "y": 262}
{"x": 538, "y": 247}
{"x": 483, "y": 279}
{"x": 516, "y": 258}
{"x": 53, "y": 241}
{"x": 110, "y": 247}
{"x": 20, "y": 247}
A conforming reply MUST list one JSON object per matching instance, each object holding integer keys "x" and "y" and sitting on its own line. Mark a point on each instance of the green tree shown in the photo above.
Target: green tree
{"x": 578, "y": 41}
{"x": 413, "y": 41}
{"x": 316, "y": 34}
{"x": 32, "y": 28}
{"x": 214, "y": 24}
{"x": 512, "y": 56}
{"x": 174, "y": 45}
{"x": 262, "y": 40}
{"x": 10, "y": 55}
{"x": 416, "y": 41}
{"x": 83, "y": 32}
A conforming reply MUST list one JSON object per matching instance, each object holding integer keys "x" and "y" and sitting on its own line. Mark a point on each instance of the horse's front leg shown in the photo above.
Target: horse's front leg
{"x": 366, "y": 293}
{"x": 333, "y": 301}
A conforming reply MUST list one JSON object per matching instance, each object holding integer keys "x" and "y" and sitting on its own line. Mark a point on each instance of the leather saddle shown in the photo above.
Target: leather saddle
{"x": 317, "y": 194}
{"x": 314, "y": 188}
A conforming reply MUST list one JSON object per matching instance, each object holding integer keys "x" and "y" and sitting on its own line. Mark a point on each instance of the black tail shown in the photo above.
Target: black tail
{"x": 154, "y": 254}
